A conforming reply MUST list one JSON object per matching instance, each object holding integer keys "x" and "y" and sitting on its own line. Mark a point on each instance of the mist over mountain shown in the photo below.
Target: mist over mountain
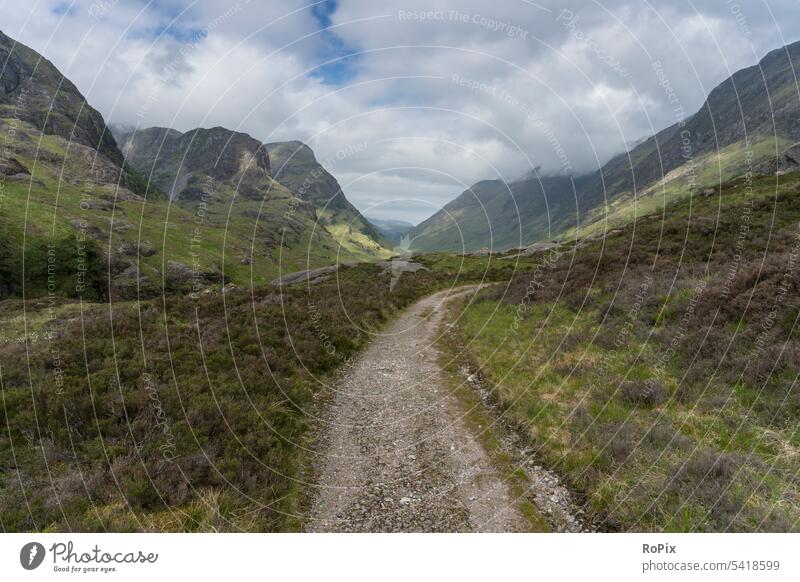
{"x": 747, "y": 123}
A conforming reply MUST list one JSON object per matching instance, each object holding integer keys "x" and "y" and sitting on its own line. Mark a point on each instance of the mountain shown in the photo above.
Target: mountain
{"x": 185, "y": 212}
{"x": 392, "y": 230}
{"x": 495, "y": 214}
{"x": 33, "y": 92}
{"x": 179, "y": 163}
{"x": 296, "y": 167}
{"x": 751, "y": 121}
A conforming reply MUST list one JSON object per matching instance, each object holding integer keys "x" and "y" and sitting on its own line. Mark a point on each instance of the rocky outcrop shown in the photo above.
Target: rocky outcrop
{"x": 310, "y": 275}
{"x": 787, "y": 161}
{"x": 132, "y": 283}
{"x": 402, "y": 266}
{"x": 530, "y": 250}
{"x": 12, "y": 167}
{"x": 179, "y": 276}
{"x": 190, "y": 166}
{"x": 33, "y": 90}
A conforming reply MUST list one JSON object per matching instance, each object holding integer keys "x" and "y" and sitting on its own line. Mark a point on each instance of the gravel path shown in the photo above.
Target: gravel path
{"x": 396, "y": 456}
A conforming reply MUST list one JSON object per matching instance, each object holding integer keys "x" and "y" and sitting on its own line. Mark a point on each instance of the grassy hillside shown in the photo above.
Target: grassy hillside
{"x": 178, "y": 414}
{"x": 498, "y": 216}
{"x": 706, "y": 172}
{"x": 146, "y": 244}
{"x": 657, "y": 369}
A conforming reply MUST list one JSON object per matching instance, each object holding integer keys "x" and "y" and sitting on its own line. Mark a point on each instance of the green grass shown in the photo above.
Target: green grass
{"x": 660, "y": 434}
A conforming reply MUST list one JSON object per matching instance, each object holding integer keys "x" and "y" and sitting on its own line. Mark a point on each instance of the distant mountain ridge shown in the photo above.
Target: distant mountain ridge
{"x": 171, "y": 159}
{"x": 393, "y": 230}
{"x": 179, "y": 163}
{"x": 296, "y": 167}
{"x": 747, "y": 122}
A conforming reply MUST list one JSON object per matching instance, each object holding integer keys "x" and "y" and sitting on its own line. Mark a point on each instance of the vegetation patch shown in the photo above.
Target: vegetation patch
{"x": 179, "y": 413}
{"x": 657, "y": 369}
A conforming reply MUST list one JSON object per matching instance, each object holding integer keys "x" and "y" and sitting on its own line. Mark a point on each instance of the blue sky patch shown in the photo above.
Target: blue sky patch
{"x": 343, "y": 59}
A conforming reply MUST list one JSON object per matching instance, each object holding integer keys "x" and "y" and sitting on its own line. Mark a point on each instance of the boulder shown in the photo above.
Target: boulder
{"x": 12, "y": 167}
{"x": 313, "y": 275}
{"x": 132, "y": 284}
{"x": 88, "y": 228}
{"x": 401, "y": 266}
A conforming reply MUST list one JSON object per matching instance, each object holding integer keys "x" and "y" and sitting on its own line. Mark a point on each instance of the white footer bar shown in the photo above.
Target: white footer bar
{"x": 375, "y": 558}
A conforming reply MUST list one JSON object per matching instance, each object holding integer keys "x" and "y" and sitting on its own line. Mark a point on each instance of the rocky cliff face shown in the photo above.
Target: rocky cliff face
{"x": 223, "y": 163}
{"x": 173, "y": 160}
{"x": 67, "y": 184}
{"x": 295, "y": 166}
{"x": 34, "y": 91}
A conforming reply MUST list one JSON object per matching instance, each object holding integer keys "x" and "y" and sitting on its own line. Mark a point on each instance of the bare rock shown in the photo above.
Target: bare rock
{"x": 313, "y": 275}
{"x": 88, "y": 228}
{"x": 132, "y": 284}
{"x": 400, "y": 266}
{"x": 12, "y": 167}
{"x": 146, "y": 249}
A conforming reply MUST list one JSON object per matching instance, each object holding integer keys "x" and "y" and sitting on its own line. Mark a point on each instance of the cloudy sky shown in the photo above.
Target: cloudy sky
{"x": 408, "y": 102}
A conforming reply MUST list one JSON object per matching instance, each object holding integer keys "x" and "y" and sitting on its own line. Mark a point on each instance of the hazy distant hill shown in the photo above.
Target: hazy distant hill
{"x": 393, "y": 230}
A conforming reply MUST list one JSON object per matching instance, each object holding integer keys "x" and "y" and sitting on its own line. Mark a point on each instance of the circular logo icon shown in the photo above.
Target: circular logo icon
{"x": 31, "y": 555}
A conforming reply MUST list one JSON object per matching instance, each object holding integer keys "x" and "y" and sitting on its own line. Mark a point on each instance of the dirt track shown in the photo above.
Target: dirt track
{"x": 396, "y": 456}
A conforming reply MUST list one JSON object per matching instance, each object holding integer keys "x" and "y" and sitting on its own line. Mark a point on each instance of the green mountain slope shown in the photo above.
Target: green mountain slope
{"x": 748, "y": 122}
{"x": 295, "y": 166}
{"x": 35, "y": 93}
{"x": 498, "y": 215}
